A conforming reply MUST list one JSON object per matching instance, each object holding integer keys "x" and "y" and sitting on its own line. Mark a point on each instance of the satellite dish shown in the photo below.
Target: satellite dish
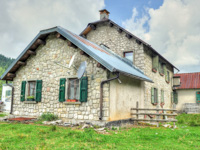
{"x": 81, "y": 69}
{"x": 72, "y": 60}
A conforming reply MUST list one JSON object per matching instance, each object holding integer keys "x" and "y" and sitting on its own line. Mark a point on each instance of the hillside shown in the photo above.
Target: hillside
{"x": 4, "y": 64}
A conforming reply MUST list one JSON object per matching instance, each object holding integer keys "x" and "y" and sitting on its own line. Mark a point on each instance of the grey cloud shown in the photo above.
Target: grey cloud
{"x": 21, "y": 20}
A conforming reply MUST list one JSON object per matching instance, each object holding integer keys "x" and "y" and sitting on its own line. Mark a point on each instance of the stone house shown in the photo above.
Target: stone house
{"x": 187, "y": 95}
{"x": 121, "y": 70}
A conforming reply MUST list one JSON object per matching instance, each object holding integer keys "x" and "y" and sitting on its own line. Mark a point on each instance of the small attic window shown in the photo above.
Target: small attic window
{"x": 129, "y": 55}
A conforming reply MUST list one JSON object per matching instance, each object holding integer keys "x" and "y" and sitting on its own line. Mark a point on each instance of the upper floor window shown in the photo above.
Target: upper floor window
{"x": 129, "y": 55}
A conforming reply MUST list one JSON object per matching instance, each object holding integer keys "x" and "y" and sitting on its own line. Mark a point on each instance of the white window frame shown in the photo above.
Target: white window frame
{"x": 66, "y": 87}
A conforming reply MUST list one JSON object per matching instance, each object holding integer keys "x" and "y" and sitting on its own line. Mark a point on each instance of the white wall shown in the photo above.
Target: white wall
{"x": 6, "y": 100}
{"x": 124, "y": 96}
{"x": 186, "y": 96}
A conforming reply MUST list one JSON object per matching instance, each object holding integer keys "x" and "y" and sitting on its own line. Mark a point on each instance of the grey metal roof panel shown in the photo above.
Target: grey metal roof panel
{"x": 107, "y": 59}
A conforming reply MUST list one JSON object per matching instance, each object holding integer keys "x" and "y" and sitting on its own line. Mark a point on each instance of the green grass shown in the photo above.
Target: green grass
{"x": 26, "y": 136}
{"x": 33, "y": 136}
{"x": 189, "y": 119}
{"x": 3, "y": 115}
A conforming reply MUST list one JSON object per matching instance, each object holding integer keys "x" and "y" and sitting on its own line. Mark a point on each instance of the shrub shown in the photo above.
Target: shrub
{"x": 48, "y": 117}
{"x": 53, "y": 128}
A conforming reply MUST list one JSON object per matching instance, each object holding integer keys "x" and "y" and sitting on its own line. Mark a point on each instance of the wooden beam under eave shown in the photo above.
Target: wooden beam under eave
{"x": 58, "y": 35}
{"x": 83, "y": 53}
{"x": 21, "y": 63}
{"x": 111, "y": 24}
{"x": 30, "y": 52}
{"x": 139, "y": 42}
{"x": 39, "y": 41}
{"x": 128, "y": 36}
{"x": 70, "y": 44}
{"x": 11, "y": 75}
{"x": 100, "y": 66}
{"x": 119, "y": 30}
{"x": 93, "y": 26}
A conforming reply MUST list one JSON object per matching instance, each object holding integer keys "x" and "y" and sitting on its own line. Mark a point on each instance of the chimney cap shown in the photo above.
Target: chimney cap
{"x": 104, "y": 10}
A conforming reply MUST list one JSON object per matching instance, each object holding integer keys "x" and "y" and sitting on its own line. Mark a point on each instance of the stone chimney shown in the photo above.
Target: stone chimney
{"x": 104, "y": 14}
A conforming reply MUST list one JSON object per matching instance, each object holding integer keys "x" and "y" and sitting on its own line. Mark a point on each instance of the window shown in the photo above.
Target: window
{"x": 154, "y": 96}
{"x": 161, "y": 69}
{"x": 168, "y": 76}
{"x": 31, "y": 90}
{"x": 73, "y": 89}
{"x": 175, "y": 97}
{"x": 198, "y": 96}
{"x": 129, "y": 55}
{"x": 8, "y": 93}
{"x": 76, "y": 89}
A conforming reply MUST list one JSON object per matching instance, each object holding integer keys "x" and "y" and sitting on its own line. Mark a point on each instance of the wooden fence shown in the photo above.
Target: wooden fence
{"x": 165, "y": 113}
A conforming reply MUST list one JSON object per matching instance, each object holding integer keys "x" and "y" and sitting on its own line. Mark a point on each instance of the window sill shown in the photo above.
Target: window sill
{"x": 154, "y": 70}
{"x": 30, "y": 102}
{"x": 72, "y": 103}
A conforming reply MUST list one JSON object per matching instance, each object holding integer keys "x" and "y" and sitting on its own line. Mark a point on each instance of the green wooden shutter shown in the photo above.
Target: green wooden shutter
{"x": 83, "y": 89}
{"x": 155, "y": 62}
{"x": 62, "y": 90}
{"x": 38, "y": 95}
{"x": 198, "y": 96}
{"x": 156, "y": 95}
{"x": 152, "y": 96}
{"x": 23, "y": 91}
{"x": 175, "y": 97}
{"x": 165, "y": 72}
{"x": 162, "y": 96}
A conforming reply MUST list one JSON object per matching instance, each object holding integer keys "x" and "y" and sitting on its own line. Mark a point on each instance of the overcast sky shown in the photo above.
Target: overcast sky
{"x": 172, "y": 27}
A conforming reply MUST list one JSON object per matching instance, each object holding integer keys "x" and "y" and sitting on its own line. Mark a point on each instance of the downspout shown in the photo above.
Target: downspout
{"x": 101, "y": 94}
{"x": 11, "y": 110}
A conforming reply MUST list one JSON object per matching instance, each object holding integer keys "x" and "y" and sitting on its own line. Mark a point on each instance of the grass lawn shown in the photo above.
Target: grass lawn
{"x": 27, "y": 136}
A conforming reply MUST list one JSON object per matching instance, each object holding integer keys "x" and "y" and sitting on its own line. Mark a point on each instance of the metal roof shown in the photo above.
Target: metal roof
{"x": 104, "y": 57}
{"x": 138, "y": 39}
{"x": 189, "y": 80}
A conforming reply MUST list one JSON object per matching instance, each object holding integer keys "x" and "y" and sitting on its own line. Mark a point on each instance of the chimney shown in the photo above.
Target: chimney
{"x": 104, "y": 14}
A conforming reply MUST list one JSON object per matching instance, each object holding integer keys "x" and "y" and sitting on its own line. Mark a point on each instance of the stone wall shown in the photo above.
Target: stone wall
{"x": 43, "y": 67}
{"x": 117, "y": 42}
{"x": 159, "y": 82}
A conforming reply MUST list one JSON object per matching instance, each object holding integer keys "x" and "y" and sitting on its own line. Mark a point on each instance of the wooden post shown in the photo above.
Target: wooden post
{"x": 174, "y": 107}
{"x": 137, "y": 116}
{"x": 157, "y": 117}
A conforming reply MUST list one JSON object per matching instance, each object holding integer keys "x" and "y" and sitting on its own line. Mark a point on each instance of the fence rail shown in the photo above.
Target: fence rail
{"x": 157, "y": 114}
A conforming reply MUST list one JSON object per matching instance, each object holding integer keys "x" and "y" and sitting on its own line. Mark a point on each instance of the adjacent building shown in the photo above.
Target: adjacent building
{"x": 187, "y": 95}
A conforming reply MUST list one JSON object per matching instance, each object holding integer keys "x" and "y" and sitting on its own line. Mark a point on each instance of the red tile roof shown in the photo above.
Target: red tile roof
{"x": 189, "y": 80}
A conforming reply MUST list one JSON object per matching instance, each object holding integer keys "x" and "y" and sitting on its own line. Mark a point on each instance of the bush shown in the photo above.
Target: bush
{"x": 48, "y": 117}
